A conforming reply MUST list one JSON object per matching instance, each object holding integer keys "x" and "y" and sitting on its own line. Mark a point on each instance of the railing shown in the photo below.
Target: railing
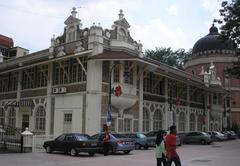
{"x": 38, "y": 141}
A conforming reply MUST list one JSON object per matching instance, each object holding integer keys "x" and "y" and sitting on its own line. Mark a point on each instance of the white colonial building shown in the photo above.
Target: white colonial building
{"x": 65, "y": 88}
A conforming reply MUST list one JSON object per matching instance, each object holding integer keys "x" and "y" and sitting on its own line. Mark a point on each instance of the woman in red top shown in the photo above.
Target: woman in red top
{"x": 171, "y": 146}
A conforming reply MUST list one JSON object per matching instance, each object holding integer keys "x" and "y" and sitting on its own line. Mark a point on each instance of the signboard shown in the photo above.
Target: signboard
{"x": 109, "y": 116}
{"x": 224, "y": 122}
{"x": 21, "y": 103}
{"x": 170, "y": 118}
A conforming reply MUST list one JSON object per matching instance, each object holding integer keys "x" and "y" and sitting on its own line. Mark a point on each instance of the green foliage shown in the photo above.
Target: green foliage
{"x": 230, "y": 23}
{"x": 230, "y": 29}
{"x": 167, "y": 56}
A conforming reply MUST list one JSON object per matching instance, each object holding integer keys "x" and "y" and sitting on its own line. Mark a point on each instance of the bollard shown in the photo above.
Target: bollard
{"x": 27, "y": 141}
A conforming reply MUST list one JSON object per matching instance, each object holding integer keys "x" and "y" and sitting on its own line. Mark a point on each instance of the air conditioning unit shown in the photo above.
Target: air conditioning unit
{"x": 62, "y": 90}
{"x": 55, "y": 90}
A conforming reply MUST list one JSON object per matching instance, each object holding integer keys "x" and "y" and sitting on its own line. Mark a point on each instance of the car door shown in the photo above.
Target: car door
{"x": 68, "y": 143}
{"x": 191, "y": 137}
{"x": 195, "y": 137}
{"x": 58, "y": 142}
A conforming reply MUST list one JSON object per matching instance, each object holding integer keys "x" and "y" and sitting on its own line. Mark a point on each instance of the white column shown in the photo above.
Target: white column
{"x": 188, "y": 109}
{"x": 166, "y": 103}
{"x": 151, "y": 121}
{"x": 49, "y": 101}
{"x": 19, "y": 88}
{"x": 140, "y": 121}
{"x": 93, "y": 97}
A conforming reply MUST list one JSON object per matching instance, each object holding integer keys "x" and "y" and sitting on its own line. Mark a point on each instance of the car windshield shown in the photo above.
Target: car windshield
{"x": 119, "y": 135}
{"x": 81, "y": 137}
{"x": 205, "y": 133}
{"x": 141, "y": 135}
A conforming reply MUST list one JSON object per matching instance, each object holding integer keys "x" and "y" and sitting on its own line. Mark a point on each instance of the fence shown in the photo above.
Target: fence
{"x": 38, "y": 141}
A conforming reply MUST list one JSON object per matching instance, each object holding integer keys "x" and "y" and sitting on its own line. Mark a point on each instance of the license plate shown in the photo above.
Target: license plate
{"x": 93, "y": 144}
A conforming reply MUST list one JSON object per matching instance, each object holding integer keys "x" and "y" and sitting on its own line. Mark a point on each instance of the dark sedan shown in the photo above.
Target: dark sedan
{"x": 73, "y": 143}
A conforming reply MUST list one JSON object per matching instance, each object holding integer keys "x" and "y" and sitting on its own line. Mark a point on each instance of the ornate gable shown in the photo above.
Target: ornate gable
{"x": 71, "y": 20}
{"x": 123, "y": 22}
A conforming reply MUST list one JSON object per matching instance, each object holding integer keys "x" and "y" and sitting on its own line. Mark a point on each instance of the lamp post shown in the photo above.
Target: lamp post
{"x": 109, "y": 116}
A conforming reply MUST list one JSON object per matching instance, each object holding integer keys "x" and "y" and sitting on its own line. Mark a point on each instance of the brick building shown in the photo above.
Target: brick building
{"x": 210, "y": 48}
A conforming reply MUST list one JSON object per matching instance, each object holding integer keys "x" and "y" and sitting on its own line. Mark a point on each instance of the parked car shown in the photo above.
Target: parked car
{"x": 229, "y": 134}
{"x": 217, "y": 136}
{"x": 140, "y": 140}
{"x": 74, "y": 143}
{"x": 151, "y": 137}
{"x": 118, "y": 142}
{"x": 197, "y": 137}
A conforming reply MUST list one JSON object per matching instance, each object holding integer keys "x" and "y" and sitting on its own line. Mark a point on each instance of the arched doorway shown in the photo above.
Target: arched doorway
{"x": 181, "y": 122}
{"x": 192, "y": 122}
{"x": 146, "y": 120}
{"x": 157, "y": 120}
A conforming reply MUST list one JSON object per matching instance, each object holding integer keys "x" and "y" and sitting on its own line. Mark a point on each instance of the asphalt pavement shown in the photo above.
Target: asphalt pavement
{"x": 218, "y": 154}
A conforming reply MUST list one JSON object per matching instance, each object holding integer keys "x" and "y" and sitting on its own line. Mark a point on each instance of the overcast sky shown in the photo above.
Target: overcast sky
{"x": 156, "y": 23}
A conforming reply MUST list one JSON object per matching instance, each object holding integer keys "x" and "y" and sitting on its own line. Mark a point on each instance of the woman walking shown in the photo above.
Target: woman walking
{"x": 160, "y": 149}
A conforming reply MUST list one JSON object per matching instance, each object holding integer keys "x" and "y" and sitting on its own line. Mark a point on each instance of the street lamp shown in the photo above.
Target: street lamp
{"x": 109, "y": 116}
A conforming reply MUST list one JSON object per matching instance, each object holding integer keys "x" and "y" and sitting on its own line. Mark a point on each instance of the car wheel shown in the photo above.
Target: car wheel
{"x": 73, "y": 152}
{"x": 91, "y": 153}
{"x": 126, "y": 151}
{"x": 137, "y": 146}
{"x": 203, "y": 142}
{"x": 48, "y": 149}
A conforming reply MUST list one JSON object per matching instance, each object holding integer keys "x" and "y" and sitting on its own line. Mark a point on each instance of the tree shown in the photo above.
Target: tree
{"x": 230, "y": 29}
{"x": 167, "y": 56}
{"x": 230, "y": 24}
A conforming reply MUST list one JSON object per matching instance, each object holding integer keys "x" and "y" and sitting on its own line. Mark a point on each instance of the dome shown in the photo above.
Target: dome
{"x": 212, "y": 42}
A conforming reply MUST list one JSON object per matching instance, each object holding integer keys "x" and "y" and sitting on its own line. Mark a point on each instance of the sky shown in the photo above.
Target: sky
{"x": 156, "y": 23}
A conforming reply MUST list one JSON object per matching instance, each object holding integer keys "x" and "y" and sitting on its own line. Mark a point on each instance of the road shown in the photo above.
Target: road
{"x": 217, "y": 154}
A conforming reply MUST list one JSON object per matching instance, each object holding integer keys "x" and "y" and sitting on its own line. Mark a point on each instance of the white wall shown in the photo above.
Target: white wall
{"x": 68, "y": 104}
{"x": 93, "y": 97}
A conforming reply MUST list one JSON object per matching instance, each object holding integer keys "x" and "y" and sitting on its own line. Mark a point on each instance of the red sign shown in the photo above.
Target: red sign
{"x": 118, "y": 90}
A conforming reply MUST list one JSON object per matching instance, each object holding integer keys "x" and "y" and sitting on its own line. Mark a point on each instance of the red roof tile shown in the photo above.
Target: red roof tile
{"x": 6, "y": 41}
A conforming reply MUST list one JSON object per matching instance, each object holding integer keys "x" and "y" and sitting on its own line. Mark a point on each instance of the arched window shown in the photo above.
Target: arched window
{"x": 71, "y": 34}
{"x": 192, "y": 122}
{"x": 40, "y": 118}
{"x": 181, "y": 122}
{"x": 2, "y": 116}
{"x": 200, "y": 123}
{"x": 12, "y": 117}
{"x": 216, "y": 127}
{"x": 122, "y": 35}
{"x": 211, "y": 126}
{"x": 157, "y": 120}
{"x": 146, "y": 119}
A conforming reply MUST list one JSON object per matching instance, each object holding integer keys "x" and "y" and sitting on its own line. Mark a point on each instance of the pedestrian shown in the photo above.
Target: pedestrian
{"x": 106, "y": 140}
{"x": 171, "y": 146}
{"x": 160, "y": 152}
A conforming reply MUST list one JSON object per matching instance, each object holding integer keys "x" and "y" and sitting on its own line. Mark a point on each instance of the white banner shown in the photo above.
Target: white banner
{"x": 170, "y": 118}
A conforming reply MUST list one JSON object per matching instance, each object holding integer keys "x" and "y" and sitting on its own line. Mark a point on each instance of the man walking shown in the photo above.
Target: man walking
{"x": 171, "y": 146}
{"x": 106, "y": 139}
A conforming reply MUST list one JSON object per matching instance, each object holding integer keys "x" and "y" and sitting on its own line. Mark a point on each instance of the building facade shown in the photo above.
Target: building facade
{"x": 65, "y": 88}
{"x": 210, "y": 48}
